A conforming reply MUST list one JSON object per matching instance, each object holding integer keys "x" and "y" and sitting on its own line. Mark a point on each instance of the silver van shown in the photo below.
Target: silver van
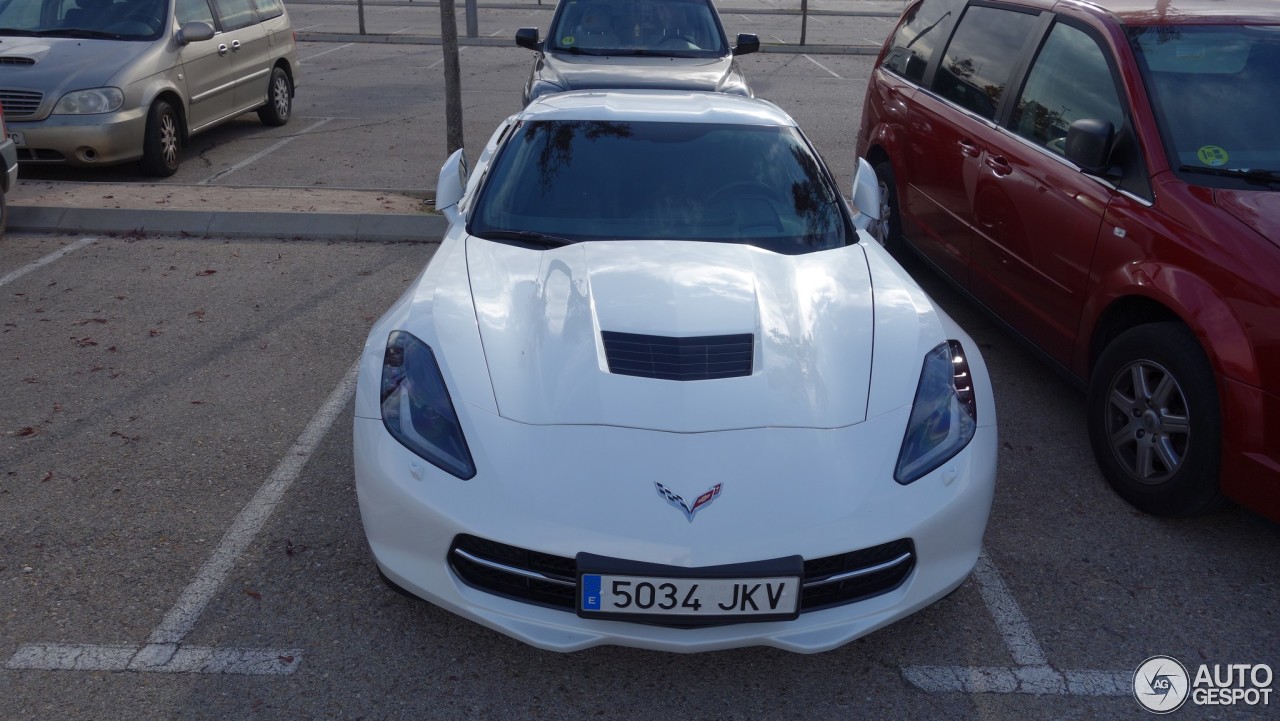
{"x": 100, "y": 82}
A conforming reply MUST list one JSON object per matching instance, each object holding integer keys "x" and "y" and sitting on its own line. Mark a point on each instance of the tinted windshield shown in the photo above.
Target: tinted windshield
{"x": 125, "y": 19}
{"x": 687, "y": 28}
{"x": 598, "y": 180}
{"x": 1214, "y": 90}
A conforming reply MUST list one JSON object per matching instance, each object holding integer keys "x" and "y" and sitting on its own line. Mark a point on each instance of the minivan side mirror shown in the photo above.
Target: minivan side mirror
{"x": 747, "y": 43}
{"x": 451, "y": 184}
{"x": 194, "y": 32}
{"x": 528, "y": 38}
{"x": 1089, "y": 143}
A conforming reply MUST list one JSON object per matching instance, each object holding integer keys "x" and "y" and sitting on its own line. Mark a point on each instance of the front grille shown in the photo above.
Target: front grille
{"x": 547, "y": 580}
{"x": 679, "y": 359}
{"x": 20, "y": 104}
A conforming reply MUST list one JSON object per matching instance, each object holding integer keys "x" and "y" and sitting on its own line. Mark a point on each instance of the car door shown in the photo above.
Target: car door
{"x": 247, "y": 50}
{"x": 209, "y": 78}
{"x": 946, "y": 124}
{"x": 1036, "y": 215}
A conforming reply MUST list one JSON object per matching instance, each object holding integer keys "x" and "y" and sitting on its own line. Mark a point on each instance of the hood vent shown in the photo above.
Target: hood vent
{"x": 679, "y": 359}
{"x": 14, "y": 60}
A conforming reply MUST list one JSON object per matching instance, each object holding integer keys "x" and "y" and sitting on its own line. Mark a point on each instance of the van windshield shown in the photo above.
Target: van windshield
{"x": 1214, "y": 89}
{"x": 670, "y": 28}
{"x": 107, "y": 19}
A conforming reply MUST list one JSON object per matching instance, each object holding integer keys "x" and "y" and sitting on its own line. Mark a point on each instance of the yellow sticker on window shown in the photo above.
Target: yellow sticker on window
{"x": 1212, "y": 156}
{"x": 566, "y": 40}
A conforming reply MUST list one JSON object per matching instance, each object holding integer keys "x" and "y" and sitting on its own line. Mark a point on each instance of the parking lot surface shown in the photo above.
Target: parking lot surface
{"x": 180, "y": 538}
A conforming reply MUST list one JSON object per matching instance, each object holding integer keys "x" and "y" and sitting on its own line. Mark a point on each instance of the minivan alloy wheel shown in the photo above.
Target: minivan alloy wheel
{"x": 1148, "y": 421}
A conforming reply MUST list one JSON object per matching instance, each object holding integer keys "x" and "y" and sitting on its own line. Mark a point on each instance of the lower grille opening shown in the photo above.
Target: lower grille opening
{"x": 551, "y": 581}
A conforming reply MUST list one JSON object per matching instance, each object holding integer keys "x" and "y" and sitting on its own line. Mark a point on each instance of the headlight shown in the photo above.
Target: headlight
{"x": 90, "y": 102}
{"x": 416, "y": 408}
{"x": 944, "y": 415}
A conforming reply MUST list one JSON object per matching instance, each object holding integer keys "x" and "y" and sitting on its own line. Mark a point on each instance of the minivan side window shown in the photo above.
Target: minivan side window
{"x": 920, "y": 33}
{"x": 194, "y": 10}
{"x": 236, "y": 14}
{"x": 982, "y": 56}
{"x": 268, "y": 9}
{"x": 1069, "y": 80}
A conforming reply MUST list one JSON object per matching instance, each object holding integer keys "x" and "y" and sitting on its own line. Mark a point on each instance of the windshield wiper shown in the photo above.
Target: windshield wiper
{"x": 526, "y": 236}
{"x": 81, "y": 33}
{"x": 22, "y": 33}
{"x": 1252, "y": 175}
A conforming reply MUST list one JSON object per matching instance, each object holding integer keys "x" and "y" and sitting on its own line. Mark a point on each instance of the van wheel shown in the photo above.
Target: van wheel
{"x": 1155, "y": 422}
{"x": 888, "y": 230}
{"x": 279, "y": 99}
{"x": 162, "y": 142}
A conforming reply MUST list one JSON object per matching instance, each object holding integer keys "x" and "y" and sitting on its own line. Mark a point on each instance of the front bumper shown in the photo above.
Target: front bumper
{"x": 83, "y": 140}
{"x": 565, "y": 490}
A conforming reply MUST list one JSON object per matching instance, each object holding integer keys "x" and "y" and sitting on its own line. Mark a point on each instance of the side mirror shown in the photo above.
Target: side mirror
{"x": 1089, "y": 144}
{"x": 528, "y": 38}
{"x": 866, "y": 195}
{"x": 194, "y": 32}
{"x": 451, "y": 184}
{"x": 747, "y": 43}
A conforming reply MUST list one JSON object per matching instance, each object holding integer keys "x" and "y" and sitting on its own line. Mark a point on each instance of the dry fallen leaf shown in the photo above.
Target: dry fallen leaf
{"x": 209, "y": 271}
{"x": 253, "y": 594}
{"x": 47, "y": 476}
{"x": 26, "y": 431}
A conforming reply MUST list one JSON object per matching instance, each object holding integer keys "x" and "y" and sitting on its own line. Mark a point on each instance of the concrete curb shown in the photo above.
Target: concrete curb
{"x": 321, "y": 37}
{"x": 371, "y": 227}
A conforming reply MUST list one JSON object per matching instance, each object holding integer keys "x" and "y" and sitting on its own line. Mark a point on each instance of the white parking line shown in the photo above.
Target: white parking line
{"x": 824, "y": 67}
{"x": 257, "y": 156}
{"x": 9, "y": 278}
{"x": 163, "y": 651}
{"x": 441, "y": 60}
{"x": 1033, "y": 674}
{"x": 324, "y": 52}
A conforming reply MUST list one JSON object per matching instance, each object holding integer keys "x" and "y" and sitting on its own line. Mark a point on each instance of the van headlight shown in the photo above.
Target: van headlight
{"x": 944, "y": 415}
{"x": 90, "y": 102}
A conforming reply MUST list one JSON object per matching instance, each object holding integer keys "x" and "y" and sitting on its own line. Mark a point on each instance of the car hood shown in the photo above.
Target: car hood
{"x": 62, "y": 64}
{"x": 580, "y": 72}
{"x": 541, "y": 314}
{"x": 1260, "y": 210}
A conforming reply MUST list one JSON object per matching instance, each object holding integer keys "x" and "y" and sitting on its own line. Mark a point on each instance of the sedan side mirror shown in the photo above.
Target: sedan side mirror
{"x": 1089, "y": 143}
{"x": 528, "y": 38}
{"x": 194, "y": 32}
{"x": 451, "y": 184}
{"x": 747, "y": 43}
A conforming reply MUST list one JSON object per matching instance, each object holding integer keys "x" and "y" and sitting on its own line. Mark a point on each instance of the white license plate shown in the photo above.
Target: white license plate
{"x": 609, "y": 595}
{"x": 18, "y": 140}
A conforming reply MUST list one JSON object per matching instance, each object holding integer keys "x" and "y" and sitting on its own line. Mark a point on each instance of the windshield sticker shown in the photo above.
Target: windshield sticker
{"x": 1212, "y": 156}
{"x": 566, "y": 40}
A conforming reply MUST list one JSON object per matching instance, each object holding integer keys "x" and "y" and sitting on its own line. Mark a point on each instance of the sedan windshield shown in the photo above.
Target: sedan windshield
{"x": 126, "y": 20}
{"x": 678, "y": 28}
{"x": 1214, "y": 91}
{"x": 574, "y": 180}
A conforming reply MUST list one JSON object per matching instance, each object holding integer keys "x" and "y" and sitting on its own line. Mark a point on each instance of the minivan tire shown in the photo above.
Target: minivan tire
{"x": 279, "y": 99}
{"x": 163, "y": 140}
{"x": 888, "y": 230}
{"x": 1153, "y": 390}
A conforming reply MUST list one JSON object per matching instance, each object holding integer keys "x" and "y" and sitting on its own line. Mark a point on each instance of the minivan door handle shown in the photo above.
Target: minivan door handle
{"x": 998, "y": 164}
{"x": 235, "y": 44}
{"x": 969, "y": 148}
{"x": 222, "y": 48}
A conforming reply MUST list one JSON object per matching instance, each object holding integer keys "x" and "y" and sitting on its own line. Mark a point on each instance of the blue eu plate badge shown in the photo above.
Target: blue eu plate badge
{"x": 590, "y": 593}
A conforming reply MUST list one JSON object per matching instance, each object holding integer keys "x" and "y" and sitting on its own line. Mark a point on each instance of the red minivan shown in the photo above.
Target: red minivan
{"x": 1104, "y": 177}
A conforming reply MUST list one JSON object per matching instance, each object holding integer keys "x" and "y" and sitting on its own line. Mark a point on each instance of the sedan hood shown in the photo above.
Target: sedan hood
{"x": 590, "y": 72}
{"x": 56, "y": 65}
{"x": 1257, "y": 209}
{"x": 541, "y": 316}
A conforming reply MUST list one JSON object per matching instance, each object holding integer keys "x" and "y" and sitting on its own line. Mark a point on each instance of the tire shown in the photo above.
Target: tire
{"x": 163, "y": 140}
{"x": 279, "y": 99}
{"x": 4, "y": 213}
{"x": 1155, "y": 422}
{"x": 888, "y": 230}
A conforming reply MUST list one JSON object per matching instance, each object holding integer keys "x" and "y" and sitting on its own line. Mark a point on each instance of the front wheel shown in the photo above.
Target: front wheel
{"x": 162, "y": 142}
{"x": 1155, "y": 422}
{"x": 279, "y": 99}
{"x": 888, "y": 230}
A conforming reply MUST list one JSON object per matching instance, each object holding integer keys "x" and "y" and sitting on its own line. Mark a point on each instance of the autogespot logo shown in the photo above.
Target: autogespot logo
{"x": 1160, "y": 684}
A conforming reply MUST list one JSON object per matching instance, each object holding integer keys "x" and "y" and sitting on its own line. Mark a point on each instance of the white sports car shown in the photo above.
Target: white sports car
{"x": 657, "y": 389}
